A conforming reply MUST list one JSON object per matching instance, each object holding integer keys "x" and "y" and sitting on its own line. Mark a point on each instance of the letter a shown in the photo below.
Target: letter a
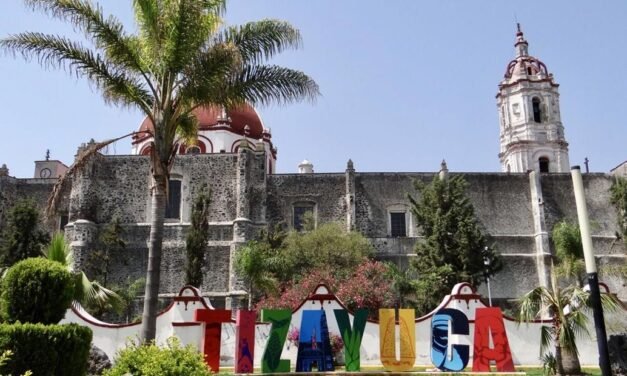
{"x": 271, "y": 361}
{"x": 490, "y": 321}
{"x": 387, "y": 339}
{"x": 351, "y": 336}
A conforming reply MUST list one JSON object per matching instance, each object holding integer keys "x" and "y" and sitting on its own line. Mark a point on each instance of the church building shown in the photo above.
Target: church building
{"x": 235, "y": 159}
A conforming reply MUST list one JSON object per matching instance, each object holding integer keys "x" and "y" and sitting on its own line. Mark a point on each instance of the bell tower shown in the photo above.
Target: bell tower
{"x": 531, "y": 130}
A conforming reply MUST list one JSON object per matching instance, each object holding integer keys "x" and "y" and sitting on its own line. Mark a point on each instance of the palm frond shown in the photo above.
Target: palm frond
{"x": 189, "y": 24}
{"x": 187, "y": 129}
{"x": 59, "y": 251}
{"x": 206, "y": 77}
{"x": 265, "y": 84}
{"x": 530, "y": 304}
{"x": 93, "y": 293}
{"x": 53, "y": 51}
{"x": 261, "y": 40}
{"x": 148, "y": 18}
{"x": 79, "y": 163}
{"x": 547, "y": 337}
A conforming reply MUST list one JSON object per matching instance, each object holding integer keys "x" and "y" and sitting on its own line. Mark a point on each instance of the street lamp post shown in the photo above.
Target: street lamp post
{"x": 591, "y": 270}
{"x": 486, "y": 273}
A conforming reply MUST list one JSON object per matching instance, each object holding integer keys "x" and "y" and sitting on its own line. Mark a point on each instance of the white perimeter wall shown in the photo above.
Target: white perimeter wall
{"x": 177, "y": 320}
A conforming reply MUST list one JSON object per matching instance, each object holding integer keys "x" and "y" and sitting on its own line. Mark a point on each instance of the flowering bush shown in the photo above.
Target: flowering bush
{"x": 293, "y": 335}
{"x": 369, "y": 286}
{"x": 337, "y": 344}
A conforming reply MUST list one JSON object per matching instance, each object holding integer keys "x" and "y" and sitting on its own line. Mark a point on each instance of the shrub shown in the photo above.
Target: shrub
{"x": 45, "y": 349}
{"x": 36, "y": 290}
{"x": 151, "y": 360}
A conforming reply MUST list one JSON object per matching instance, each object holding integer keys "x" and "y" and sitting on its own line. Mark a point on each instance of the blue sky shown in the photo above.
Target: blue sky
{"x": 404, "y": 83}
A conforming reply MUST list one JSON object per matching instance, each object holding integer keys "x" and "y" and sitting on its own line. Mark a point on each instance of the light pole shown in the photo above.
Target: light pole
{"x": 486, "y": 272}
{"x": 591, "y": 270}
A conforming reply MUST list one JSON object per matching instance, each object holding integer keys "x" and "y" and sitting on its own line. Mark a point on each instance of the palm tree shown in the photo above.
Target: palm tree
{"x": 180, "y": 59}
{"x": 86, "y": 292}
{"x": 567, "y": 309}
{"x": 566, "y": 239}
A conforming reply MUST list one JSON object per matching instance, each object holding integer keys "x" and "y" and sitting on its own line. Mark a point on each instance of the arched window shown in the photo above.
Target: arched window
{"x": 544, "y": 164}
{"x": 537, "y": 111}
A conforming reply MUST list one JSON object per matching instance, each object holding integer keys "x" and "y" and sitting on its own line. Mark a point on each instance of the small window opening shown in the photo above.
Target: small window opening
{"x": 537, "y": 112}
{"x": 529, "y": 71}
{"x": 173, "y": 207}
{"x": 397, "y": 225}
{"x": 544, "y": 164}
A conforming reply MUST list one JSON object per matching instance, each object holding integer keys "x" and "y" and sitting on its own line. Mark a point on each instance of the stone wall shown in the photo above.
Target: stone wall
{"x": 517, "y": 210}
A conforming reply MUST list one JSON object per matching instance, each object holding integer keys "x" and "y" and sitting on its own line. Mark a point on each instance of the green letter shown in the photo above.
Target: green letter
{"x": 280, "y": 320}
{"x": 351, "y": 336}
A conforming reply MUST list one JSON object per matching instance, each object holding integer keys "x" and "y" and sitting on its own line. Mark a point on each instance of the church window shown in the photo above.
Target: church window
{"x": 173, "y": 206}
{"x": 301, "y": 212}
{"x": 398, "y": 227}
{"x": 544, "y": 164}
{"x": 537, "y": 112}
{"x": 529, "y": 71}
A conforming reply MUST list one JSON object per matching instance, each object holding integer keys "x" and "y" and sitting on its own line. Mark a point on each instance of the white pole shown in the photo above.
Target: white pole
{"x": 584, "y": 222}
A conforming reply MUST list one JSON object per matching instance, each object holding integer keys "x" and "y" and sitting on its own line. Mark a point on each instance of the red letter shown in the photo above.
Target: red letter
{"x": 245, "y": 340}
{"x": 490, "y": 321}
{"x": 213, "y": 319}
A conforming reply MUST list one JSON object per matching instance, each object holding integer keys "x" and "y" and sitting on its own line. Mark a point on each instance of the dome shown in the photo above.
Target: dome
{"x": 212, "y": 117}
{"x": 524, "y": 65}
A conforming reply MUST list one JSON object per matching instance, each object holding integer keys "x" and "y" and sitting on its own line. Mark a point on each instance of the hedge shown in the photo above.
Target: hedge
{"x": 36, "y": 290}
{"x": 45, "y": 349}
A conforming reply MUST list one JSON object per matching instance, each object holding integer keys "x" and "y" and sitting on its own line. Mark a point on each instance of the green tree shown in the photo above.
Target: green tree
{"x": 22, "y": 236}
{"x": 253, "y": 262}
{"x": 404, "y": 285}
{"x": 197, "y": 237}
{"x": 111, "y": 243}
{"x": 455, "y": 245}
{"x": 328, "y": 246}
{"x": 179, "y": 59}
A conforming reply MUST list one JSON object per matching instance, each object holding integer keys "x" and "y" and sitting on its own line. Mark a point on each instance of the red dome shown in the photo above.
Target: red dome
{"x": 209, "y": 118}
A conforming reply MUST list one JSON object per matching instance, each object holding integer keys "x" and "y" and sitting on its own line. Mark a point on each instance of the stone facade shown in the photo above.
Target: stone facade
{"x": 517, "y": 210}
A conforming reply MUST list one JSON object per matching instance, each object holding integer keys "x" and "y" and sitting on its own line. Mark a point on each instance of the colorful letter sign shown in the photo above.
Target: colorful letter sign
{"x": 280, "y": 320}
{"x": 351, "y": 336}
{"x": 213, "y": 320}
{"x": 314, "y": 346}
{"x": 245, "y": 341}
{"x": 490, "y": 321}
{"x": 387, "y": 339}
{"x": 440, "y": 323}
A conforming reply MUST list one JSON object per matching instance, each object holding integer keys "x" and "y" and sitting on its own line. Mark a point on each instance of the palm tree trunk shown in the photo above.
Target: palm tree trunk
{"x": 570, "y": 363}
{"x": 153, "y": 274}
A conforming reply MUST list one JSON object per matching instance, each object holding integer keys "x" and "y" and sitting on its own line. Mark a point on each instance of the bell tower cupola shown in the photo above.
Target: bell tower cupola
{"x": 531, "y": 130}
